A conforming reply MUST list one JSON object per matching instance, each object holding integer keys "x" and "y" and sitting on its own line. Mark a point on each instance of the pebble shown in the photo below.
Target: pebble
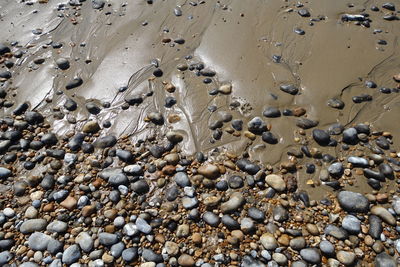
{"x": 276, "y": 182}
{"x": 71, "y": 254}
{"x": 182, "y": 179}
{"x": 85, "y": 241}
{"x": 186, "y": 260}
{"x": 209, "y": 171}
{"x": 268, "y": 241}
{"x": 38, "y": 241}
{"x": 353, "y": 202}
{"x": 108, "y": 239}
{"x": 384, "y": 214}
{"x": 311, "y": 255}
{"x": 327, "y": 248}
{"x": 143, "y": 226}
{"x": 345, "y": 257}
{"x": 211, "y": 218}
{"x": 351, "y": 224}
{"x": 234, "y": 203}
{"x": 33, "y": 225}
{"x": 57, "y": 227}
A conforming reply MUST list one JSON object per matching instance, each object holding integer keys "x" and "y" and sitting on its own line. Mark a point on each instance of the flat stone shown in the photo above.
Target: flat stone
{"x": 311, "y": 255}
{"x": 345, "y": 257}
{"x": 353, "y": 202}
{"x": 234, "y": 203}
{"x": 38, "y": 241}
{"x": 384, "y": 214}
{"x": 71, "y": 254}
{"x": 209, "y": 171}
{"x": 276, "y": 182}
{"x": 33, "y": 225}
{"x": 85, "y": 241}
{"x": 268, "y": 241}
{"x": 57, "y": 227}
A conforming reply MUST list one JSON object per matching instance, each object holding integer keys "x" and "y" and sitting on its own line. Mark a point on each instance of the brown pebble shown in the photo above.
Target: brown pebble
{"x": 69, "y": 203}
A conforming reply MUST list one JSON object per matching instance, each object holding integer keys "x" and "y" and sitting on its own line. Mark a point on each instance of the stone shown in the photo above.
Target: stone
{"x": 351, "y": 224}
{"x": 71, "y": 254}
{"x": 57, "y": 227}
{"x": 143, "y": 226}
{"x": 384, "y": 260}
{"x": 297, "y": 243}
{"x": 384, "y": 214}
{"x": 268, "y": 241}
{"x": 211, "y": 218}
{"x": 108, "y": 239}
{"x": 209, "y": 171}
{"x": 311, "y": 255}
{"x": 345, "y": 257}
{"x": 234, "y": 203}
{"x": 85, "y": 241}
{"x": 69, "y": 203}
{"x": 33, "y": 225}
{"x": 182, "y": 179}
{"x": 353, "y": 202}
{"x": 130, "y": 254}
{"x": 91, "y": 127}
{"x": 38, "y": 241}
{"x": 4, "y": 173}
{"x": 327, "y": 247}
{"x": 150, "y": 255}
{"x": 172, "y": 248}
{"x": 276, "y": 182}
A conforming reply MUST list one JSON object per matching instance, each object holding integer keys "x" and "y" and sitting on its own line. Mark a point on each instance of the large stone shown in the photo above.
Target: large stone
{"x": 33, "y": 225}
{"x": 209, "y": 171}
{"x": 276, "y": 182}
{"x": 353, "y": 202}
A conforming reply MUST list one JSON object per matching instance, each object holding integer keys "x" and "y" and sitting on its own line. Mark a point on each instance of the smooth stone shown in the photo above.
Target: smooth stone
{"x": 276, "y": 182}
{"x": 57, "y": 227}
{"x": 91, "y": 127}
{"x": 143, "y": 226}
{"x": 321, "y": 137}
{"x": 268, "y": 241}
{"x": 150, "y": 255}
{"x": 140, "y": 187}
{"x": 130, "y": 254}
{"x": 256, "y": 214}
{"x": 211, "y": 218}
{"x": 345, "y": 257}
{"x": 384, "y": 214}
{"x": 297, "y": 243}
{"x": 235, "y": 201}
{"x": 38, "y": 241}
{"x": 256, "y": 125}
{"x": 350, "y": 136}
{"x": 384, "y": 260}
{"x": 4, "y": 173}
{"x": 186, "y": 260}
{"x": 118, "y": 179}
{"x": 351, "y": 224}
{"x": 358, "y": 161}
{"x": 310, "y": 255}
{"x": 336, "y": 169}
{"x": 189, "y": 202}
{"x": 33, "y": 225}
{"x": 85, "y": 241}
{"x": 182, "y": 179}
{"x": 71, "y": 254}
{"x": 5, "y": 257}
{"x": 336, "y": 232}
{"x": 209, "y": 171}
{"x": 375, "y": 226}
{"x": 305, "y": 124}
{"x": 108, "y": 239}
{"x": 62, "y": 63}
{"x": 116, "y": 249}
{"x": 353, "y": 202}
{"x": 327, "y": 247}
{"x": 280, "y": 214}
